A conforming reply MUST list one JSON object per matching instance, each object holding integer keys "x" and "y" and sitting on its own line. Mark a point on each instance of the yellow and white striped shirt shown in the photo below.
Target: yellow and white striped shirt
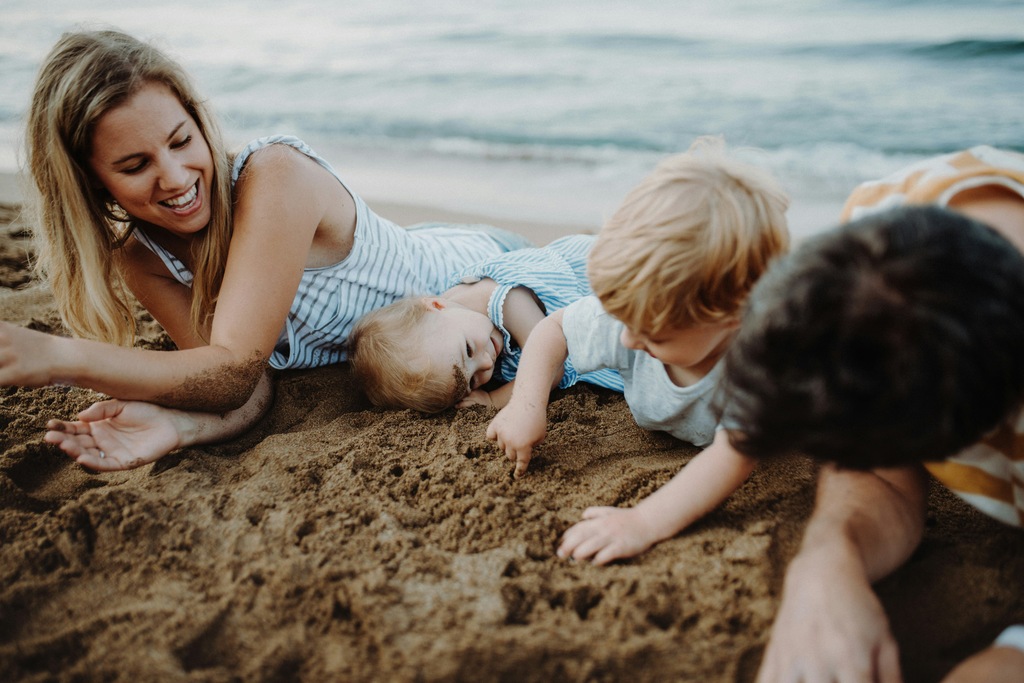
{"x": 990, "y": 474}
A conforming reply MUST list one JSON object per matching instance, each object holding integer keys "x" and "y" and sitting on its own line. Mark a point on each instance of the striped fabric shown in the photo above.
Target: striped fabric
{"x": 557, "y": 275}
{"x": 178, "y": 270}
{"x": 386, "y": 263}
{"x": 989, "y": 475}
{"x": 936, "y": 180}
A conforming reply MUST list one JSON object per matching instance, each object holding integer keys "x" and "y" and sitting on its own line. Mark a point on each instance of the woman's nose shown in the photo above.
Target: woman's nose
{"x": 173, "y": 175}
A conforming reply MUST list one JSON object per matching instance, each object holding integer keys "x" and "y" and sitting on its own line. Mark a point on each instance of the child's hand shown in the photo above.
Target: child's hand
{"x": 477, "y": 397}
{"x": 606, "y": 534}
{"x": 517, "y": 429}
{"x": 116, "y": 435}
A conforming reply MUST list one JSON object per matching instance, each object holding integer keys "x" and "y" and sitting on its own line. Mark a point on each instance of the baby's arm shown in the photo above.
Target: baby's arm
{"x": 609, "y": 533}
{"x": 498, "y": 398}
{"x": 121, "y": 435}
{"x": 522, "y": 424}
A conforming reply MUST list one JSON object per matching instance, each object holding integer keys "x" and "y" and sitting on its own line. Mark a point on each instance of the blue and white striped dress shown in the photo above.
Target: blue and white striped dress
{"x": 387, "y": 263}
{"x": 557, "y": 275}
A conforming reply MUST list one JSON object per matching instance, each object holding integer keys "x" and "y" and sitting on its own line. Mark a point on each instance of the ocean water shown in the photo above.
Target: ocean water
{"x": 552, "y": 109}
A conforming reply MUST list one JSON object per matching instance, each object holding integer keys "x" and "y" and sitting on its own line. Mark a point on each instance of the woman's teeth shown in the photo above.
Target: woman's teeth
{"x": 182, "y": 200}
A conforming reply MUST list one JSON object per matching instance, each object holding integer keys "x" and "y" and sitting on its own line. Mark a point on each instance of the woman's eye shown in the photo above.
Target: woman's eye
{"x": 132, "y": 170}
{"x": 182, "y": 143}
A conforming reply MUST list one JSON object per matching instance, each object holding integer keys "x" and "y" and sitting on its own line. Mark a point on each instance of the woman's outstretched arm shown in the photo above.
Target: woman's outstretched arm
{"x": 283, "y": 198}
{"x": 121, "y": 435}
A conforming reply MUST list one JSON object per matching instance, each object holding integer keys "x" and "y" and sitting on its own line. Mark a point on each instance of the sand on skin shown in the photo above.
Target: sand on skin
{"x": 337, "y": 541}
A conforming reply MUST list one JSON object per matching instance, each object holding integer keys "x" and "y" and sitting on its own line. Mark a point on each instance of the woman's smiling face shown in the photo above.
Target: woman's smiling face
{"x": 151, "y": 156}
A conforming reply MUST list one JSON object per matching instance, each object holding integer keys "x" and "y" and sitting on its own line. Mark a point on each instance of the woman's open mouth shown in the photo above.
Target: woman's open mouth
{"x": 184, "y": 202}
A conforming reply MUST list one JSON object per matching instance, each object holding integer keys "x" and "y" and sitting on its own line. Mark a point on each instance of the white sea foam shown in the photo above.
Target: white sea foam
{"x": 534, "y": 105}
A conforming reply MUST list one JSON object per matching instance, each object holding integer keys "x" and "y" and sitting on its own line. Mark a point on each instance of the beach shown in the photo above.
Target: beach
{"x": 336, "y": 541}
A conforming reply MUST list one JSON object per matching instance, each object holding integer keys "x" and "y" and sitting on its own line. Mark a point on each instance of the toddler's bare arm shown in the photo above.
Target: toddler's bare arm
{"x": 609, "y": 533}
{"x": 522, "y": 424}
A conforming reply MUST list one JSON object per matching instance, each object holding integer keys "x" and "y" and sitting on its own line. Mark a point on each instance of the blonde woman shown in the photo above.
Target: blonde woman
{"x": 243, "y": 259}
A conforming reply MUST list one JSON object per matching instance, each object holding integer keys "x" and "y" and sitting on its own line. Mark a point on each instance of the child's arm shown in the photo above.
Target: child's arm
{"x": 521, "y": 313}
{"x": 121, "y": 435}
{"x": 608, "y": 533}
{"x": 498, "y": 398}
{"x": 522, "y": 424}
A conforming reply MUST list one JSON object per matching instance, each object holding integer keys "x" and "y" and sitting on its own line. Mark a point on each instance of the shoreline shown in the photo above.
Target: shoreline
{"x": 463, "y": 203}
{"x": 402, "y": 213}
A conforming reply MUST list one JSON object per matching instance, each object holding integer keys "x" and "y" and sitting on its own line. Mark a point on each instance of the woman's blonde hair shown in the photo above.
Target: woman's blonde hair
{"x": 383, "y": 352}
{"x": 79, "y": 228}
{"x": 689, "y": 242}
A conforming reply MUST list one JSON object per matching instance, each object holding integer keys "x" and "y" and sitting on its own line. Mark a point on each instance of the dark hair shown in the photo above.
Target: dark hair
{"x": 894, "y": 339}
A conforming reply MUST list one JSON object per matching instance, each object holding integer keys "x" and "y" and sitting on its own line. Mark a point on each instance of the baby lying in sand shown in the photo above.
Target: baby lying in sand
{"x": 430, "y": 353}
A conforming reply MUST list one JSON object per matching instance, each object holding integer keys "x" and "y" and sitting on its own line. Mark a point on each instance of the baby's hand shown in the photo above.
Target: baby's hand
{"x": 606, "y": 534}
{"x": 116, "y": 435}
{"x": 477, "y": 397}
{"x": 517, "y": 430}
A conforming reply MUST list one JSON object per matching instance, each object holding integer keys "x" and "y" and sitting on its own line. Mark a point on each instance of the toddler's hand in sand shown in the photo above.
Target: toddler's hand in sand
{"x": 606, "y": 534}
{"x": 477, "y": 397}
{"x": 517, "y": 429}
{"x": 116, "y": 435}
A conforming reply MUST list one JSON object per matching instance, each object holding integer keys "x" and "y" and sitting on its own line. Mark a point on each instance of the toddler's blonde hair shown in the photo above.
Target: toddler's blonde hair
{"x": 689, "y": 242}
{"x": 384, "y": 352}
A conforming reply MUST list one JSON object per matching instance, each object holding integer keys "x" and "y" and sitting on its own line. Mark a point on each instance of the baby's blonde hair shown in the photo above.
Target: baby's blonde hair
{"x": 384, "y": 352}
{"x": 80, "y": 230}
{"x": 689, "y": 242}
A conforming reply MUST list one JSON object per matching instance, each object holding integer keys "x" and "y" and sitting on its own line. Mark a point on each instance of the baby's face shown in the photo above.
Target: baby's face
{"x": 457, "y": 340}
{"x": 693, "y": 349}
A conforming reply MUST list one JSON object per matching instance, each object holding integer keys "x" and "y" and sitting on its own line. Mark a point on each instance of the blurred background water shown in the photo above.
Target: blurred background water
{"x": 552, "y": 109}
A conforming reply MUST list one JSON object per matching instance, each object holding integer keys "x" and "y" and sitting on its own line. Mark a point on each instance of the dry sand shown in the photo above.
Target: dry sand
{"x": 339, "y": 542}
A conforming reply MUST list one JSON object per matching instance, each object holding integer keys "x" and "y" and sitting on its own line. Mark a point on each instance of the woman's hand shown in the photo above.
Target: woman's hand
{"x": 24, "y": 356}
{"x": 118, "y": 435}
